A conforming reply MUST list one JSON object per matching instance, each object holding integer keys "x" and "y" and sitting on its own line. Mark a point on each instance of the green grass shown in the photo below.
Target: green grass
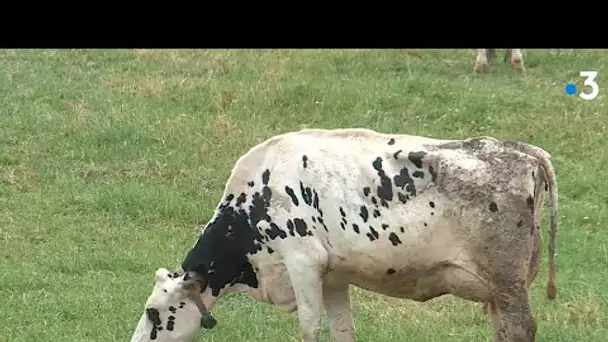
{"x": 110, "y": 160}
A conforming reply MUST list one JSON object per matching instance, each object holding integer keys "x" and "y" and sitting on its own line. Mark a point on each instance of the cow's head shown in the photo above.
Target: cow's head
{"x": 174, "y": 311}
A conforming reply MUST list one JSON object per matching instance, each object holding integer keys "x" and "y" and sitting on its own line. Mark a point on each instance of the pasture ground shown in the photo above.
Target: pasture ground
{"x": 110, "y": 161}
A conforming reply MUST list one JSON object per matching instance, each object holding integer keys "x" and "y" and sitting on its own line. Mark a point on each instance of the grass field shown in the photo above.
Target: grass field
{"x": 111, "y": 160}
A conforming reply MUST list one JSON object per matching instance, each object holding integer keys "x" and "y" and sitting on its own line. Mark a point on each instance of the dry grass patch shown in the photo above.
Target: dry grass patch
{"x": 223, "y": 126}
{"x": 152, "y": 171}
{"x": 585, "y": 312}
{"x": 139, "y": 86}
{"x": 18, "y": 176}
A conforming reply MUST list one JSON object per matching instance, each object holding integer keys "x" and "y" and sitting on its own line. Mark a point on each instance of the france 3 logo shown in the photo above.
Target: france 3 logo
{"x": 588, "y": 81}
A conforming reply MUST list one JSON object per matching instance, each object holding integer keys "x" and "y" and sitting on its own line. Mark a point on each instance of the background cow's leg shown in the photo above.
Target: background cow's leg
{"x": 490, "y": 53}
{"x": 485, "y": 307}
{"x": 305, "y": 272}
{"x": 512, "y": 316}
{"x": 516, "y": 58}
{"x": 484, "y": 56}
{"x": 337, "y": 305}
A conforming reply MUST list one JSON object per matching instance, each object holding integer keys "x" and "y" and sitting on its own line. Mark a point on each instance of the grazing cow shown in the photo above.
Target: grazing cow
{"x": 485, "y": 56}
{"x": 306, "y": 214}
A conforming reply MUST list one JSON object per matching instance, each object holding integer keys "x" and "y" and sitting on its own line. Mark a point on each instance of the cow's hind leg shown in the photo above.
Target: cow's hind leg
{"x": 305, "y": 269}
{"x": 482, "y": 62}
{"x": 515, "y": 57}
{"x": 512, "y": 316}
{"x": 339, "y": 312}
{"x": 535, "y": 262}
{"x": 500, "y": 333}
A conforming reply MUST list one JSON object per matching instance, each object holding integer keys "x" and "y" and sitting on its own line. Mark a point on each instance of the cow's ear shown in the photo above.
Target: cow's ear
{"x": 161, "y": 275}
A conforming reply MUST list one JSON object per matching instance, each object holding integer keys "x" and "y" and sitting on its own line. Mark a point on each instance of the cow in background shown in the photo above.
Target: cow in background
{"x": 485, "y": 56}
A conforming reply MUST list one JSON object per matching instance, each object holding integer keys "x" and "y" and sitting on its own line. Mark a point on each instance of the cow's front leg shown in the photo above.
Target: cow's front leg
{"x": 339, "y": 312}
{"x": 305, "y": 272}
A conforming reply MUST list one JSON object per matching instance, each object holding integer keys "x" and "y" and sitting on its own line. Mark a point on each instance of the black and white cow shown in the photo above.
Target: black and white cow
{"x": 306, "y": 214}
{"x": 485, "y": 56}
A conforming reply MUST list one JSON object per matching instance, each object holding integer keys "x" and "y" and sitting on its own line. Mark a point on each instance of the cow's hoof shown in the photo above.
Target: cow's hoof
{"x": 207, "y": 321}
{"x": 518, "y": 64}
{"x": 481, "y": 68}
{"x": 481, "y": 65}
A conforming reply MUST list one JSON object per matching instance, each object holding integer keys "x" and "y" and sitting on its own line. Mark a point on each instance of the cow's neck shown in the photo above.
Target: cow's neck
{"x": 222, "y": 251}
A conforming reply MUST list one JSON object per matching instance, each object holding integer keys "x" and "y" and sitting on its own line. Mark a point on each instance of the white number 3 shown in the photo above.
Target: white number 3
{"x": 590, "y": 82}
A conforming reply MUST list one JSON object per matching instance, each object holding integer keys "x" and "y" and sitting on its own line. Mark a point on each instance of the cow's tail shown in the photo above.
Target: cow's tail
{"x": 550, "y": 180}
